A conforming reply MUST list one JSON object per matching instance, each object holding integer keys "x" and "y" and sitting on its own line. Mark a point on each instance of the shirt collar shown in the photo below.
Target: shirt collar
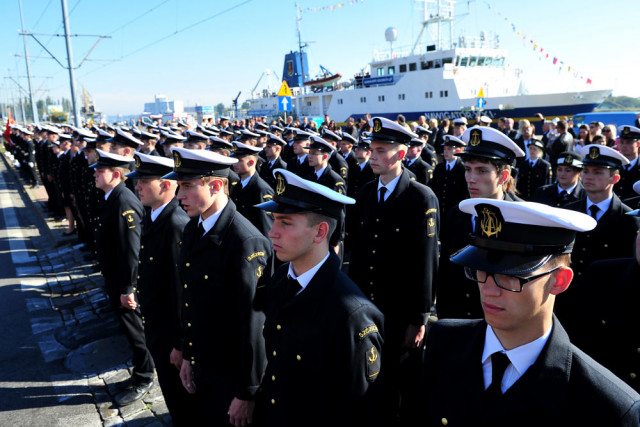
{"x": 245, "y": 181}
{"x": 390, "y": 186}
{"x": 306, "y": 277}
{"x": 208, "y": 223}
{"x": 603, "y": 205}
{"x": 320, "y": 172}
{"x": 301, "y": 159}
{"x": 451, "y": 164}
{"x": 156, "y": 213}
{"x": 520, "y": 357}
{"x": 106, "y": 195}
{"x": 569, "y": 190}
{"x": 633, "y": 162}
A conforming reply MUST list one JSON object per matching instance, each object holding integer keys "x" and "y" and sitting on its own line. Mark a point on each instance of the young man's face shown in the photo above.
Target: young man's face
{"x": 292, "y": 236}
{"x": 345, "y": 146}
{"x": 629, "y": 148}
{"x": 596, "y": 179}
{"x": 362, "y": 155}
{"x": 482, "y": 179}
{"x": 149, "y": 145}
{"x": 534, "y": 152}
{"x": 105, "y": 178}
{"x": 271, "y": 151}
{"x": 414, "y": 151}
{"x": 458, "y": 129}
{"x": 316, "y": 158}
{"x": 517, "y": 312}
{"x": 384, "y": 156}
{"x": 567, "y": 176}
{"x": 195, "y": 196}
{"x": 150, "y": 191}
{"x": 244, "y": 166}
{"x": 448, "y": 153}
{"x": 300, "y": 147}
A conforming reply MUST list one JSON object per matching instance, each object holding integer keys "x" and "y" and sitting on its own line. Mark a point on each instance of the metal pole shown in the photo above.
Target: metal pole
{"x": 34, "y": 108}
{"x": 65, "y": 19}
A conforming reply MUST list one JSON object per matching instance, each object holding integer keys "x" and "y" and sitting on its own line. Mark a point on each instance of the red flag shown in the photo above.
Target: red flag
{"x": 7, "y": 132}
{"x": 555, "y": 60}
{"x": 588, "y": 81}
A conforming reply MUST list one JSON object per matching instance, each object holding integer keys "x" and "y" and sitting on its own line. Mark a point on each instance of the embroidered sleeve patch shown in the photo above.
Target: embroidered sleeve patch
{"x": 368, "y": 330}
{"x": 373, "y": 363}
{"x": 255, "y": 255}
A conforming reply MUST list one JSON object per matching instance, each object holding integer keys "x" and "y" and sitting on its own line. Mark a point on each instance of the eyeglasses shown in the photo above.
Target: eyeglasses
{"x": 504, "y": 281}
{"x": 606, "y": 130}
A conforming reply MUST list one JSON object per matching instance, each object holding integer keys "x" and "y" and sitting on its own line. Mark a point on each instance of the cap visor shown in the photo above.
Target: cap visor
{"x": 493, "y": 261}
{"x": 275, "y": 207}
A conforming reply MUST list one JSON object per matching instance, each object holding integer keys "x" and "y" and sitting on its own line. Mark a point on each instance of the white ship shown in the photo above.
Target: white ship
{"x": 430, "y": 79}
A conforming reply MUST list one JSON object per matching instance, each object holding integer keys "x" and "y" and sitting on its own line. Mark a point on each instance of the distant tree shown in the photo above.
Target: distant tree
{"x": 246, "y": 105}
{"x": 42, "y": 108}
{"x": 59, "y": 117}
{"x": 220, "y": 109}
{"x": 66, "y": 104}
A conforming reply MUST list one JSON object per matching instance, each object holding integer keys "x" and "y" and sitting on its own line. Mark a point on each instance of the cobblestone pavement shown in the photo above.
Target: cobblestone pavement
{"x": 73, "y": 324}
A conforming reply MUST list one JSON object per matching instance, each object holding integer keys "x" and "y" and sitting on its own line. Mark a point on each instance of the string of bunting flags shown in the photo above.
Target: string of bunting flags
{"x": 331, "y": 7}
{"x": 543, "y": 54}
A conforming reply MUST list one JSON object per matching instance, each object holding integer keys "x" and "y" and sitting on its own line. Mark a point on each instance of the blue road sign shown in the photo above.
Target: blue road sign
{"x": 284, "y": 103}
{"x": 480, "y": 102}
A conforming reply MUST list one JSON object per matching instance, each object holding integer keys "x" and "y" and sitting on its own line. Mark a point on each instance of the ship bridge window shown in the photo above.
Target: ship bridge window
{"x": 472, "y": 62}
{"x": 391, "y": 70}
{"x": 480, "y": 62}
{"x": 401, "y": 96}
{"x": 499, "y": 62}
{"x": 403, "y": 68}
{"x": 424, "y": 65}
{"x": 363, "y": 99}
{"x": 488, "y": 61}
{"x": 412, "y": 66}
{"x": 380, "y": 98}
{"x": 381, "y": 71}
{"x": 437, "y": 63}
{"x": 340, "y": 101}
{"x": 447, "y": 60}
{"x": 464, "y": 62}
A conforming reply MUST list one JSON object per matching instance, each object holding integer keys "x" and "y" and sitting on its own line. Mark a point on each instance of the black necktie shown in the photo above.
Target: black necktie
{"x": 383, "y": 191}
{"x": 531, "y": 163}
{"x": 594, "y": 211}
{"x": 499, "y": 363}
{"x": 293, "y": 287}
{"x": 299, "y": 161}
{"x": 627, "y": 167}
{"x": 448, "y": 167}
{"x": 200, "y": 230}
{"x": 564, "y": 195}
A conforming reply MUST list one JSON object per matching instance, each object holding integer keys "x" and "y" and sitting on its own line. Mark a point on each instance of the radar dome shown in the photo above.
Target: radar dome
{"x": 391, "y": 34}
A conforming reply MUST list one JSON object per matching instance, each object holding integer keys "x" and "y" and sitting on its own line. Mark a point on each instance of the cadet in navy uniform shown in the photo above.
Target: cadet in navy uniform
{"x": 488, "y": 160}
{"x": 568, "y": 187}
{"x": 361, "y": 173}
{"x": 299, "y": 164}
{"x": 221, "y": 260}
{"x": 428, "y": 153}
{"x": 414, "y": 163}
{"x": 125, "y": 144}
{"x": 224, "y": 147}
{"x": 396, "y": 214}
{"x": 252, "y": 189}
{"x": 629, "y": 174}
{"x": 517, "y": 366}
{"x": 323, "y": 336}
{"x": 118, "y": 246}
{"x": 158, "y": 289}
{"x": 534, "y": 173}
{"x": 604, "y": 319}
{"x": 273, "y": 153}
{"x": 336, "y": 160}
{"x": 346, "y": 146}
{"x": 448, "y": 181}
{"x": 614, "y": 236}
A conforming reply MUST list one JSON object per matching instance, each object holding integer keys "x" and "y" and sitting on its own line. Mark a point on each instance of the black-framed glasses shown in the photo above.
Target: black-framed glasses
{"x": 504, "y": 281}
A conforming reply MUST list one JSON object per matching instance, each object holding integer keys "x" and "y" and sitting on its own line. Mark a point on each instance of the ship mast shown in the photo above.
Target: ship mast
{"x": 442, "y": 12}
{"x": 298, "y": 20}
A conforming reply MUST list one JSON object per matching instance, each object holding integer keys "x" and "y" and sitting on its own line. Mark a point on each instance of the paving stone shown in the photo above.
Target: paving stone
{"x": 154, "y": 395}
{"x": 114, "y": 422}
{"x": 144, "y": 418}
{"x": 98, "y": 385}
{"x": 134, "y": 408}
{"x": 112, "y": 381}
{"x": 160, "y": 408}
{"x": 107, "y": 410}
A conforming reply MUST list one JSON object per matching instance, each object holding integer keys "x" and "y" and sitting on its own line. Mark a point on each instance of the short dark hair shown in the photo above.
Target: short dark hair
{"x": 314, "y": 218}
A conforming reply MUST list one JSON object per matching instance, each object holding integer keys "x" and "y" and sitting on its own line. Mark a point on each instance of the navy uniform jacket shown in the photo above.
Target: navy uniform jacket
{"x": 299, "y": 169}
{"x": 222, "y": 331}
{"x": 564, "y": 386}
{"x": 422, "y": 170}
{"x": 550, "y": 196}
{"x": 531, "y": 178}
{"x": 351, "y": 159}
{"x": 407, "y": 225}
{"x": 159, "y": 291}
{"x": 606, "y": 310}
{"x": 613, "y": 237}
{"x": 118, "y": 241}
{"x": 428, "y": 154}
{"x": 624, "y": 187}
{"x": 561, "y": 144}
{"x": 266, "y": 172}
{"x": 633, "y": 202}
{"x": 450, "y": 187}
{"x": 234, "y": 181}
{"x": 332, "y": 180}
{"x": 457, "y": 296}
{"x": 256, "y": 191}
{"x": 324, "y": 352}
{"x": 340, "y": 166}
{"x": 359, "y": 177}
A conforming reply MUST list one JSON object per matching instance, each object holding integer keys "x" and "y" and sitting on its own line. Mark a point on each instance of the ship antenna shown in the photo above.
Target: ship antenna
{"x": 443, "y": 13}
{"x": 298, "y": 20}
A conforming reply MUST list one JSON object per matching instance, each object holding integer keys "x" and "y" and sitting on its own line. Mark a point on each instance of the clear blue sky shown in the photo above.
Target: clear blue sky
{"x": 212, "y": 61}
